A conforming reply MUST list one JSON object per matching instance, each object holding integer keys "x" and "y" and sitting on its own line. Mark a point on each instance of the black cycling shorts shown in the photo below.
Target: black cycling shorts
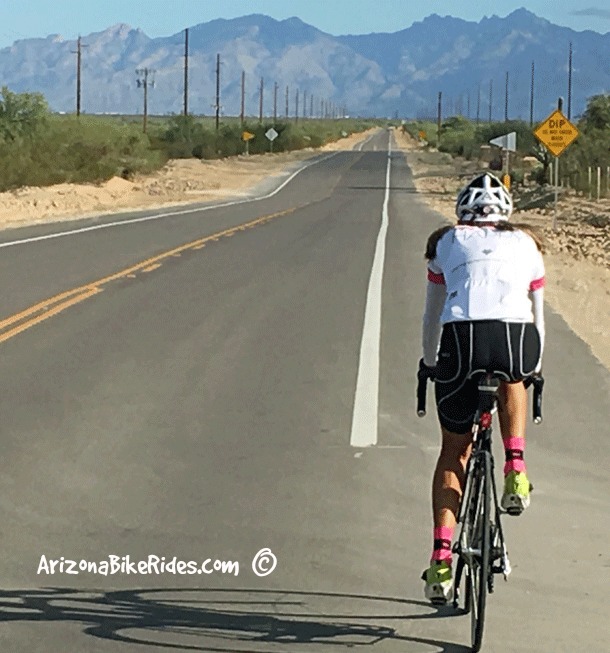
{"x": 509, "y": 349}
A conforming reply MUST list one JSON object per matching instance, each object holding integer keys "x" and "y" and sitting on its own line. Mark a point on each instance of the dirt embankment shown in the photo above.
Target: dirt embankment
{"x": 181, "y": 181}
{"x": 577, "y": 256}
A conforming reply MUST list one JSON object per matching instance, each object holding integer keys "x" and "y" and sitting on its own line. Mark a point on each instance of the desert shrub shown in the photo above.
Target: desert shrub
{"x": 38, "y": 148}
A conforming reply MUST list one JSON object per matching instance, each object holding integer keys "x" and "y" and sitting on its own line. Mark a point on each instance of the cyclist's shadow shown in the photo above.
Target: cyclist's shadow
{"x": 223, "y": 620}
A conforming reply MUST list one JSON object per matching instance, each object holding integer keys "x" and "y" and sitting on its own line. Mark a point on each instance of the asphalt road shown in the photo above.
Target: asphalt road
{"x": 188, "y": 387}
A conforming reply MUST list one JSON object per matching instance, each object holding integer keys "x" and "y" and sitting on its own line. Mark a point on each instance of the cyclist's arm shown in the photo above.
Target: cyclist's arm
{"x": 537, "y": 295}
{"x": 431, "y": 328}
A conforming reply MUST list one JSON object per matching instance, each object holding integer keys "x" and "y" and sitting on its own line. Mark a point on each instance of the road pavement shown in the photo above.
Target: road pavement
{"x": 198, "y": 386}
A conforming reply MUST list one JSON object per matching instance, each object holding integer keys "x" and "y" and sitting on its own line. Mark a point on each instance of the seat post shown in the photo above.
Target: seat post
{"x": 489, "y": 385}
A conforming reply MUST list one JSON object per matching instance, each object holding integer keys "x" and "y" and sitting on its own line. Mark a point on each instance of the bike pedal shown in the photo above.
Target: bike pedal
{"x": 514, "y": 511}
{"x": 438, "y": 601}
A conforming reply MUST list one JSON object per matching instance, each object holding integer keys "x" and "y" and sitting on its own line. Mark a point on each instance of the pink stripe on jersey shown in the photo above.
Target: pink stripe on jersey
{"x": 537, "y": 284}
{"x": 436, "y": 278}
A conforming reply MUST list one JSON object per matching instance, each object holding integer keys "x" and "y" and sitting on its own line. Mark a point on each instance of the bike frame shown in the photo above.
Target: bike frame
{"x": 482, "y": 448}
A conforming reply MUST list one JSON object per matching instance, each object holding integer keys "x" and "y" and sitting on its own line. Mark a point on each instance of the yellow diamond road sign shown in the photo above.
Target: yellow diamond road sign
{"x": 246, "y": 136}
{"x": 556, "y": 133}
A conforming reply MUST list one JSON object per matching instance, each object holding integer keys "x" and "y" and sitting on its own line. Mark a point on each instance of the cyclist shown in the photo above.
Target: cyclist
{"x": 485, "y": 276}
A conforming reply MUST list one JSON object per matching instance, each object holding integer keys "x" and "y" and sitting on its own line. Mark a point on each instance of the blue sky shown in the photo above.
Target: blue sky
{"x": 38, "y": 18}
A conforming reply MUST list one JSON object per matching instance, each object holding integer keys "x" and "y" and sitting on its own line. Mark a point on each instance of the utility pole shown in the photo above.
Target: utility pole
{"x": 491, "y": 95}
{"x": 532, "y": 98}
{"x": 217, "y": 91}
{"x": 438, "y": 118}
{"x": 186, "y": 71}
{"x": 296, "y": 112}
{"x": 311, "y": 107}
{"x": 287, "y": 102}
{"x": 78, "y": 53}
{"x": 468, "y": 106}
{"x": 242, "y": 115}
{"x": 261, "y": 101}
{"x": 556, "y": 171}
{"x": 275, "y": 87}
{"x": 506, "y": 99}
{"x": 142, "y": 82}
{"x": 304, "y": 105}
{"x": 479, "y": 104}
{"x": 570, "y": 82}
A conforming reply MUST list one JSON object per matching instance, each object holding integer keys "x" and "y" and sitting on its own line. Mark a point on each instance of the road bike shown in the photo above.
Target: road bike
{"x": 480, "y": 547}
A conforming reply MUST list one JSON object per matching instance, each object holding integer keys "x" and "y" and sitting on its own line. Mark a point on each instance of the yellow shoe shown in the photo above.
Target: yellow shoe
{"x": 439, "y": 582}
{"x": 516, "y": 497}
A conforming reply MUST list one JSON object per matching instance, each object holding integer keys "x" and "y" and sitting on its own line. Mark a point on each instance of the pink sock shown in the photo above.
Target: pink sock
{"x": 442, "y": 544}
{"x": 513, "y": 448}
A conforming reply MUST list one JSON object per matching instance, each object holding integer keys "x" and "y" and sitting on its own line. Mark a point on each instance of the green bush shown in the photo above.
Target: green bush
{"x": 38, "y": 148}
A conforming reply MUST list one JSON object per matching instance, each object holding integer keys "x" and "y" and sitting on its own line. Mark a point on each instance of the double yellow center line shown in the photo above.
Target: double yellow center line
{"x": 19, "y": 322}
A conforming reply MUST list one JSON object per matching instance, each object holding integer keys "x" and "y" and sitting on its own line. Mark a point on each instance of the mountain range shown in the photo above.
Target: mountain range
{"x": 395, "y": 74}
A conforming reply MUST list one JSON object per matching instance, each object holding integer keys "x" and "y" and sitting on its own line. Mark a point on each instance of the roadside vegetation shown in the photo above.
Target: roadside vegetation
{"x": 40, "y": 148}
{"x": 465, "y": 138}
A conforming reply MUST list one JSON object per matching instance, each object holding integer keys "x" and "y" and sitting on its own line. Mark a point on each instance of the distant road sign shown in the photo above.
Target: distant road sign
{"x": 246, "y": 136}
{"x": 423, "y": 135}
{"x": 271, "y": 134}
{"x": 556, "y": 133}
{"x": 506, "y": 142}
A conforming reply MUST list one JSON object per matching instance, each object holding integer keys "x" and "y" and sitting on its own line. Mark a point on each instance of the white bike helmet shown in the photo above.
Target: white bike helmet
{"x": 484, "y": 199}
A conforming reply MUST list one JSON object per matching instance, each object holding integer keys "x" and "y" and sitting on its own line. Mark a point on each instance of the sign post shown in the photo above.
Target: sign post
{"x": 508, "y": 143}
{"x": 271, "y": 134}
{"x": 247, "y": 137}
{"x": 556, "y": 133}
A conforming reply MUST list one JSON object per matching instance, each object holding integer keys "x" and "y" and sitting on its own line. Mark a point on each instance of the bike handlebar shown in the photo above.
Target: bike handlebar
{"x": 423, "y": 374}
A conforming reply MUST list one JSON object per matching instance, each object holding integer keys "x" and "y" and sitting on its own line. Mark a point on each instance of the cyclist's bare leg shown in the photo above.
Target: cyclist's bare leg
{"x": 512, "y": 410}
{"x": 448, "y": 480}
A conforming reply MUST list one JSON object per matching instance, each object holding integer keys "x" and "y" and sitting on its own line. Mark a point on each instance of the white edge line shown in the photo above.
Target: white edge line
{"x": 366, "y": 401}
{"x": 157, "y": 216}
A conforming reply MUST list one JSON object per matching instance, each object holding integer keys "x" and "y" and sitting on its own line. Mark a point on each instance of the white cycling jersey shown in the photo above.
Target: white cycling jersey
{"x": 487, "y": 273}
{"x": 482, "y": 273}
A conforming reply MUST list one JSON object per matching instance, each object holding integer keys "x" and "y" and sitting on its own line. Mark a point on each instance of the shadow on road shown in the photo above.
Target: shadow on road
{"x": 219, "y": 621}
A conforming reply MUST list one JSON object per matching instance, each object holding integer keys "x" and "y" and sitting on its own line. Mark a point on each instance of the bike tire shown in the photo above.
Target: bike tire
{"x": 479, "y": 572}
